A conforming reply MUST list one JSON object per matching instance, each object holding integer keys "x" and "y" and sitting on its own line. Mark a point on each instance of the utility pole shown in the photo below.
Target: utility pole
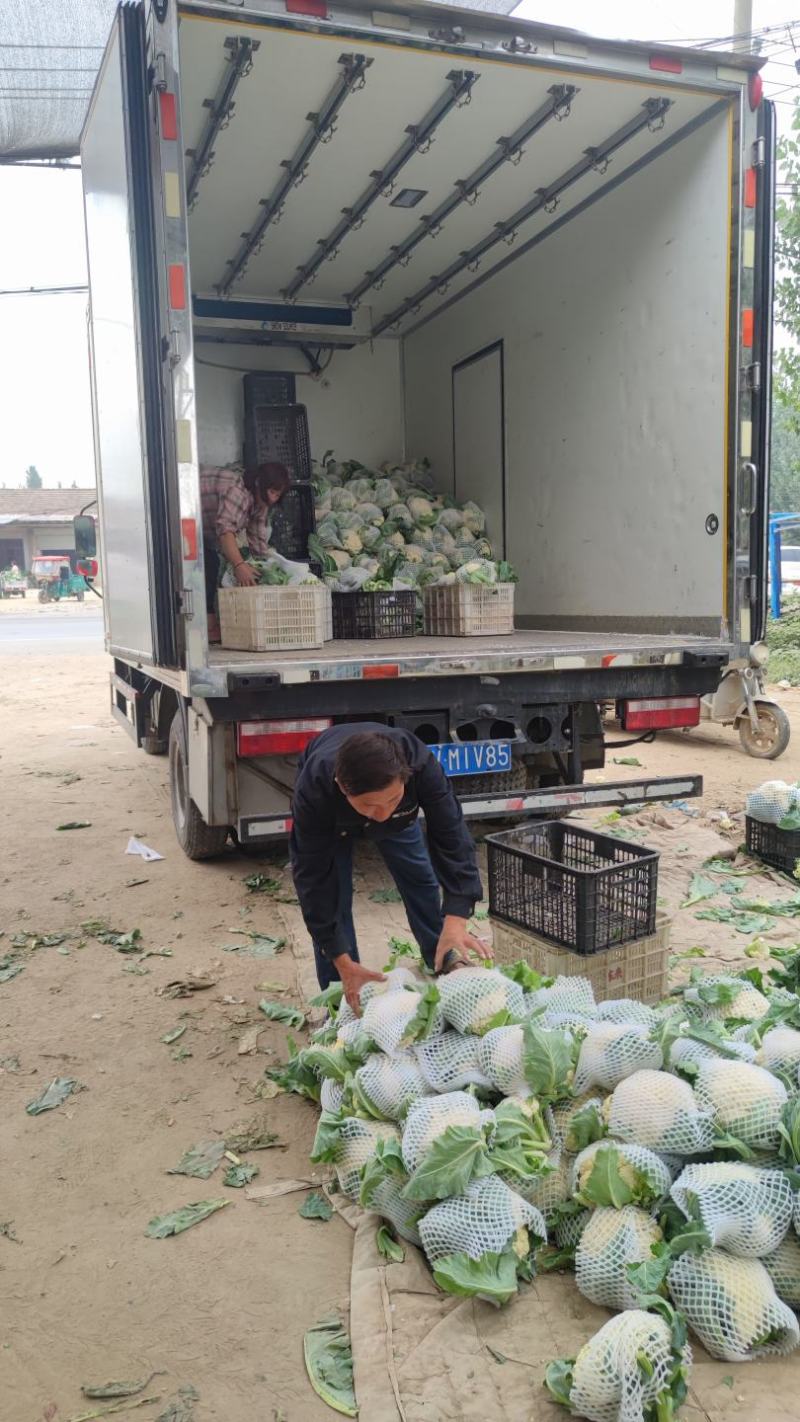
{"x": 743, "y": 24}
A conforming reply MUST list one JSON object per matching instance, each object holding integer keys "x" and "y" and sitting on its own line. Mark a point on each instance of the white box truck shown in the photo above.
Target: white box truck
{"x": 540, "y": 259}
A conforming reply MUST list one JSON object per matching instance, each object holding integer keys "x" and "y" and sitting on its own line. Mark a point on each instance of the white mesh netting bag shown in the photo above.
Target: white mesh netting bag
{"x": 569, "y": 1116}
{"x": 746, "y": 1100}
{"x": 772, "y": 801}
{"x": 566, "y": 1230}
{"x": 481, "y": 1221}
{"x": 357, "y": 1144}
{"x": 389, "y": 1020}
{"x": 472, "y": 998}
{"x": 639, "y": 1176}
{"x": 387, "y": 1201}
{"x": 331, "y": 1095}
{"x": 732, "y": 1306}
{"x": 611, "y": 1240}
{"x": 654, "y": 1109}
{"x": 500, "y": 1058}
{"x": 608, "y": 1383}
{"x": 428, "y": 1118}
{"x": 451, "y": 1062}
{"x": 747, "y": 1003}
{"x": 612, "y": 1051}
{"x": 545, "y": 1191}
{"x": 626, "y": 1009}
{"x": 386, "y": 1086}
{"x": 780, "y": 1050}
{"x": 565, "y": 995}
{"x": 797, "y": 1215}
{"x": 684, "y": 1049}
{"x": 571, "y": 1021}
{"x": 783, "y": 1267}
{"x": 744, "y": 1209}
{"x": 352, "y": 1034}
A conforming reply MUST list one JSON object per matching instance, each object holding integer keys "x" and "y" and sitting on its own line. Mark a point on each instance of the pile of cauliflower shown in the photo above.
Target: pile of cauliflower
{"x": 504, "y": 1123}
{"x": 387, "y": 528}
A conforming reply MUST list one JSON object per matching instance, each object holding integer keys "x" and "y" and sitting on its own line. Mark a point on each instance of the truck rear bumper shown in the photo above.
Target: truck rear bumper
{"x": 560, "y": 798}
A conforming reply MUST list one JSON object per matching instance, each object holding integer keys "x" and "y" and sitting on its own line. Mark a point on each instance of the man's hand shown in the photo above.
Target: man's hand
{"x": 353, "y": 978}
{"x": 456, "y": 939}
{"x": 245, "y": 575}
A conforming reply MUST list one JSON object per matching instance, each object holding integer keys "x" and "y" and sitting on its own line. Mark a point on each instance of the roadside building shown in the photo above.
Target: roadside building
{"x": 40, "y": 521}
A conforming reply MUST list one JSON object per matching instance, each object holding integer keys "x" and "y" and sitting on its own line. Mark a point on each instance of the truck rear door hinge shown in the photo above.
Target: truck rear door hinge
{"x": 159, "y": 70}
{"x": 186, "y": 602}
{"x": 750, "y": 376}
{"x": 759, "y": 152}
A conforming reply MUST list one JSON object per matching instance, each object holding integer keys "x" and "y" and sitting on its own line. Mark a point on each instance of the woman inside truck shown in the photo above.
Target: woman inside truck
{"x": 236, "y": 504}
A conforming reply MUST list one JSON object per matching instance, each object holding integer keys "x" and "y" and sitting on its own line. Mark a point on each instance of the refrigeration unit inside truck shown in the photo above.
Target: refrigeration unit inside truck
{"x": 541, "y": 260}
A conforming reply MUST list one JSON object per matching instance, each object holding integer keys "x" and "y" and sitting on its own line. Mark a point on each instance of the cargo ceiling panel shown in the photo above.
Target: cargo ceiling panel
{"x": 296, "y": 205}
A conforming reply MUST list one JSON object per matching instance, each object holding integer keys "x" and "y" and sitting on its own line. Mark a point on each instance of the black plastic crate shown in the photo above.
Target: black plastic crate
{"x": 359, "y": 615}
{"x": 584, "y": 890}
{"x": 292, "y": 522}
{"x": 778, "y": 847}
{"x": 269, "y": 387}
{"x": 278, "y": 434}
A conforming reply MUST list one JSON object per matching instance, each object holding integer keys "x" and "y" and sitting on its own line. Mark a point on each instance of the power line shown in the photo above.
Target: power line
{"x": 43, "y": 290}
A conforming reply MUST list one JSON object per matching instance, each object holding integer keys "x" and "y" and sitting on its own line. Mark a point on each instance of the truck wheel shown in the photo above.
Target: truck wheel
{"x": 772, "y": 736}
{"x": 197, "y": 839}
{"x": 43, "y": 595}
{"x": 80, "y": 594}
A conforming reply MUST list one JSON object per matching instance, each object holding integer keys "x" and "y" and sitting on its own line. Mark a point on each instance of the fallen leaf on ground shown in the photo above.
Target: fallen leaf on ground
{"x": 255, "y": 1136}
{"x": 184, "y": 987}
{"x": 200, "y": 1160}
{"x": 75, "y": 824}
{"x": 261, "y": 945}
{"x": 385, "y": 896}
{"x": 388, "y": 1246}
{"x": 329, "y": 1363}
{"x": 180, "y": 1409}
{"x": 239, "y": 1175}
{"x": 116, "y": 1389}
{"x": 124, "y": 1406}
{"x": 174, "y": 1034}
{"x": 9, "y": 969}
{"x": 627, "y": 760}
{"x": 53, "y": 1095}
{"x": 277, "y": 1188}
{"x": 7, "y": 1231}
{"x": 248, "y": 1042}
{"x": 316, "y": 1207}
{"x": 282, "y": 1012}
{"x": 162, "y": 1226}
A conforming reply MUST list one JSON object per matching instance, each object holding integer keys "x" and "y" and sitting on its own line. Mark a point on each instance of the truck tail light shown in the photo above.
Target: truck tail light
{"x": 664, "y": 714}
{"x": 277, "y": 737}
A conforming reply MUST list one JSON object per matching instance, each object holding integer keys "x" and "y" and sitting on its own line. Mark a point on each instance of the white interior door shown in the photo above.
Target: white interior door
{"x": 478, "y": 439}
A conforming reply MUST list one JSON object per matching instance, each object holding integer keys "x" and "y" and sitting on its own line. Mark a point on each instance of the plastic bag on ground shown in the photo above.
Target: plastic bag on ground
{"x": 732, "y": 1306}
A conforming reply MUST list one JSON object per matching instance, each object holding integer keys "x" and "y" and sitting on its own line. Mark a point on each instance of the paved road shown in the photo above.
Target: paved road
{"x": 26, "y": 634}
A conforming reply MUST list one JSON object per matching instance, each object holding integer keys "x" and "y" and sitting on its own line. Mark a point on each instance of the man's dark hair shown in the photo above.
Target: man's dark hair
{"x": 260, "y": 478}
{"x": 370, "y": 761}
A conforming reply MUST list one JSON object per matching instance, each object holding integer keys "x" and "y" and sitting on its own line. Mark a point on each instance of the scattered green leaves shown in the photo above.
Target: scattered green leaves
{"x": 201, "y": 1160}
{"x": 385, "y": 896}
{"x": 330, "y": 997}
{"x": 527, "y": 977}
{"x": 700, "y": 887}
{"x": 174, "y": 1033}
{"x": 75, "y": 824}
{"x": 315, "y": 1207}
{"x": 262, "y": 884}
{"x": 627, "y": 760}
{"x": 329, "y": 1363}
{"x": 493, "y": 1276}
{"x": 240, "y": 1174}
{"x": 9, "y": 968}
{"x": 260, "y": 945}
{"x": 253, "y": 1137}
{"x": 388, "y": 1246}
{"x": 162, "y": 1226}
{"x": 53, "y": 1095}
{"x": 116, "y": 1389}
{"x": 282, "y": 1012}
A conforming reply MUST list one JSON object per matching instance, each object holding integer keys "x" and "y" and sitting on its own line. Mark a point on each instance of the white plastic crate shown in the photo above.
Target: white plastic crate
{"x": 639, "y": 969}
{"x": 468, "y": 610}
{"x": 268, "y": 619}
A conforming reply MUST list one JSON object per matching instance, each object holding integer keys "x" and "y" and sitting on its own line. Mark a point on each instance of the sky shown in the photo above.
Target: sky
{"x": 45, "y": 412}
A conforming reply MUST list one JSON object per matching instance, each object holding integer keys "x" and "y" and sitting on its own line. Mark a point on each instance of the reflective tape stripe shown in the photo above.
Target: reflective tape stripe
{"x": 748, "y": 248}
{"x": 172, "y": 195}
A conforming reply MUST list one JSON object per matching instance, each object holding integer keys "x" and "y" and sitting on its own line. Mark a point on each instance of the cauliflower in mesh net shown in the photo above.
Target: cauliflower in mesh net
{"x": 635, "y": 1369}
{"x": 451, "y": 1062}
{"x": 500, "y": 1058}
{"x": 780, "y": 1051}
{"x": 384, "y": 1087}
{"x": 610, "y": 1173}
{"x": 720, "y": 997}
{"x": 348, "y": 1143}
{"x": 429, "y": 1118}
{"x": 654, "y": 1109}
{"x": 743, "y": 1209}
{"x": 480, "y": 1242}
{"x": 577, "y": 1123}
{"x": 611, "y": 1240}
{"x": 628, "y": 1010}
{"x": 477, "y": 999}
{"x": 783, "y": 1267}
{"x": 732, "y": 1306}
{"x": 746, "y": 1100}
{"x": 612, "y": 1051}
{"x": 395, "y": 1020}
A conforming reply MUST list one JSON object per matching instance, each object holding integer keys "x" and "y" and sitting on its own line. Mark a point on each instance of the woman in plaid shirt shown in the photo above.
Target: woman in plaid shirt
{"x": 236, "y": 504}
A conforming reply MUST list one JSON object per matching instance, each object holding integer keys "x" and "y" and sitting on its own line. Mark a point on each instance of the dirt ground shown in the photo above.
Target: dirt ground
{"x": 87, "y": 1297}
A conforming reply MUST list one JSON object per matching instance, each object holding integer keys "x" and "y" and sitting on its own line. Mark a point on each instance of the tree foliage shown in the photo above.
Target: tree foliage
{"x": 33, "y": 479}
{"x": 785, "y": 451}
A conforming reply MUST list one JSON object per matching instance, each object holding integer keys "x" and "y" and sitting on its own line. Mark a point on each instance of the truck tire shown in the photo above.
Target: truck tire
{"x": 80, "y": 594}
{"x": 159, "y": 720}
{"x": 773, "y": 733}
{"x": 43, "y": 595}
{"x": 197, "y": 839}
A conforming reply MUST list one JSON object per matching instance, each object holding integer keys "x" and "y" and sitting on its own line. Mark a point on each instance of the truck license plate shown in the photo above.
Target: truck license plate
{"x": 474, "y": 757}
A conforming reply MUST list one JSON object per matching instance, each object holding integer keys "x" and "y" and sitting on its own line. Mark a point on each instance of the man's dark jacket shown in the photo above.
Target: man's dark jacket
{"x": 323, "y": 817}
